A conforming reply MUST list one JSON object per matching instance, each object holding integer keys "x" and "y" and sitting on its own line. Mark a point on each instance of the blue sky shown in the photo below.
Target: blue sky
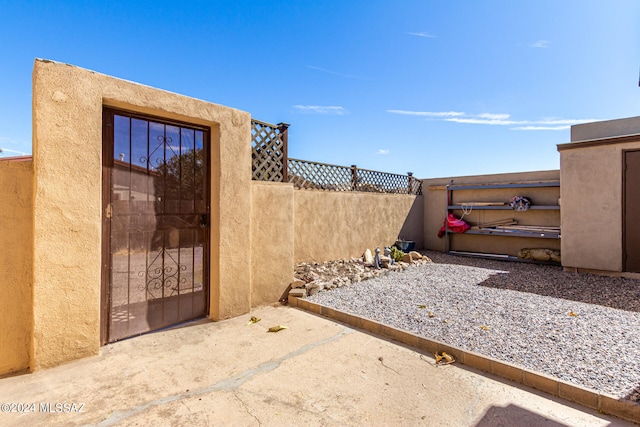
{"x": 439, "y": 88}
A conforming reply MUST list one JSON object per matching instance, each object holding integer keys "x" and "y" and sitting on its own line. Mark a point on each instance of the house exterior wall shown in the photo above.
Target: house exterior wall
{"x": 271, "y": 241}
{"x": 605, "y": 129}
{"x": 16, "y": 241}
{"x": 592, "y": 193}
{"x": 333, "y": 225}
{"x": 435, "y": 204}
{"x": 67, "y": 151}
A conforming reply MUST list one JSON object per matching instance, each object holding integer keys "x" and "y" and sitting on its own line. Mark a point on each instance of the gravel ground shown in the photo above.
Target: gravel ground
{"x": 581, "y": 328}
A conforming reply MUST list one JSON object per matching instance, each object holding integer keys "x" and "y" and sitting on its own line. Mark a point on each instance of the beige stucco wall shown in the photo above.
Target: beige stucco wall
{"x": 67, "y": 148}
{"x": 591, "y": 177}
{"x": 335, "y": 225}
{"x": 435, "y": 202}
{"x": 271, "y": 240}
{"x": 16, "y": 231}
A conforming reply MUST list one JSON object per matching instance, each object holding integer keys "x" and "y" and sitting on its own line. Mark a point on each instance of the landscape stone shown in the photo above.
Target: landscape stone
{"x": 368, "y": 257}
{"x": 316, "y": 277}
{"x": 297, "y": 284}
{"x": 298, "y": 293}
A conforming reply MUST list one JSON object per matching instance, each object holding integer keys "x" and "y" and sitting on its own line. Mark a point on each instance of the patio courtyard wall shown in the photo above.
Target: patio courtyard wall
{"x": 16, "y": 243}
{"x": 293, "y": 226}
{"x": 332, "y": 225}
{"x": 271, "y": 241}
{"x": 68, "y": 105}
{"x": 53, "y": 213}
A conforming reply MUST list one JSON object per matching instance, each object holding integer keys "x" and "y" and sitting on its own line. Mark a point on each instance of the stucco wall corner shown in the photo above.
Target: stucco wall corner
{"x": 67, "y": 120}
{"x": 272, "y": 241}
{"x": 16, "y": 261}
{"x": 232, "y": 189}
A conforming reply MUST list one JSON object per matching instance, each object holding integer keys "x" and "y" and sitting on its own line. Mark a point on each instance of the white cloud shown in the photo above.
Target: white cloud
{"x": 383, "y": 151}
{"x": 542, "y": 128}
{"x": 7, "y": 150}
{"x": 428, "y": 113}
{"x": 542, "y": 44}
{"x": 496, "y": 119}
{"x": 482, "y": 121}
{"x": 422, "y": 34}
{"x": 494, "y": 116}
{"x": 563, "y": 121}
{"x": 321, "y": 109}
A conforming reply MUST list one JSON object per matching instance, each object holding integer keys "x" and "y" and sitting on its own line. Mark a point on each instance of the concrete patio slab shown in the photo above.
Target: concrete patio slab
{"x": 315, "y": 372}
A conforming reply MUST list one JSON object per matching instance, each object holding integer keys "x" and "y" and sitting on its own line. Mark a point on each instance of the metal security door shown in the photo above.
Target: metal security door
{"x": 631, "y": 218}
{"x": 156, "y": 186}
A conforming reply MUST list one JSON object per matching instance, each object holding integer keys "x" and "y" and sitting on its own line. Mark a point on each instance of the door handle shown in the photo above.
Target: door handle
{"x": 204, "y": 221}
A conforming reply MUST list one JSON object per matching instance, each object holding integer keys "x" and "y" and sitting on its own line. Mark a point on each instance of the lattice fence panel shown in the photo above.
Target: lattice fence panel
{"x": 415, "y": 186}
{"x": 383, "y": 182}
{"x": 320, "y": 176}
{"x": 269, "y": 152}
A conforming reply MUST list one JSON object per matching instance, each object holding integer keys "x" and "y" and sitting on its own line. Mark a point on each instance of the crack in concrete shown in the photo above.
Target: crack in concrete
{"x": 381, "y": 359}
{"x": 246, "y": 407}
{"x": 229, "y": 384}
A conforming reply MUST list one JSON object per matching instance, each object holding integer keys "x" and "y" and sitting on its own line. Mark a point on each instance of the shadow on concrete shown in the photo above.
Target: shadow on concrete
{"x": 552, "y": 281}
{"x": 513, "y": 415}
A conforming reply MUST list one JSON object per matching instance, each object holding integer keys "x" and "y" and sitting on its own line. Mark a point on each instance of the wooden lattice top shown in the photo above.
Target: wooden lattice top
{"x": 271, "y": 163}
{"x": 269, "y": 151}
{"x": 321, "y": 176}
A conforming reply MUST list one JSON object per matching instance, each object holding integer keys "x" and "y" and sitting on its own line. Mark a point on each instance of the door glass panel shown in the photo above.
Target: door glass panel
{"x": 158, "y": 255}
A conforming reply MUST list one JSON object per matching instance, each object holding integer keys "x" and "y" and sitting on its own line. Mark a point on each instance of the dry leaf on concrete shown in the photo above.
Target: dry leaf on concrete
{"x": 277, "y": 328}
{"x": 253, "y": 320}
{"x": 444, "y": 358}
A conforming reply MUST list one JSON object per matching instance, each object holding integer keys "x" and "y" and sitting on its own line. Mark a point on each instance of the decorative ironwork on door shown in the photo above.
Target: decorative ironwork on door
{"x": 163, "y": 276}
{"x": 157, "y": 221}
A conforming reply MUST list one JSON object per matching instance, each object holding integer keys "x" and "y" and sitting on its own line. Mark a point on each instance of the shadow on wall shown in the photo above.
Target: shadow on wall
{"x": 552, "y": 281}
{"x": 512, "y": 415}
{"x": 413, "y": 226}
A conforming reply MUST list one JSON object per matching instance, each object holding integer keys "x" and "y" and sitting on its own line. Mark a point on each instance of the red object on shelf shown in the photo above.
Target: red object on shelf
{"x": 453, "y": 224}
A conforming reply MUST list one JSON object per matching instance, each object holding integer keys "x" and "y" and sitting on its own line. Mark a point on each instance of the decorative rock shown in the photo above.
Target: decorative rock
{"x": 415, "y": 255}
{"x": 297, "y": 284}
{"x": 385, "y": 261}
{"x": 313, "y": 291}
{"x": 367, "y": 257}
{"x": 408, "y": 258}
{"x": 298, "y": 293}
{"x": 313, "y": 287}
{"x": 539, "y": 254}
{"x": 316, "y": 277}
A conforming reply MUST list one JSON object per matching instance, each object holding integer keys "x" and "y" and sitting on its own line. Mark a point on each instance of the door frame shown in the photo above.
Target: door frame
{"x": 624, "y": 208}
{"x": 107, "y": 168}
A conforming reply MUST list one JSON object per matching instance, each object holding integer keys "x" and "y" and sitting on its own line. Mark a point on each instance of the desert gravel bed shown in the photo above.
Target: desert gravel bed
{"x": 581, "y": 328}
